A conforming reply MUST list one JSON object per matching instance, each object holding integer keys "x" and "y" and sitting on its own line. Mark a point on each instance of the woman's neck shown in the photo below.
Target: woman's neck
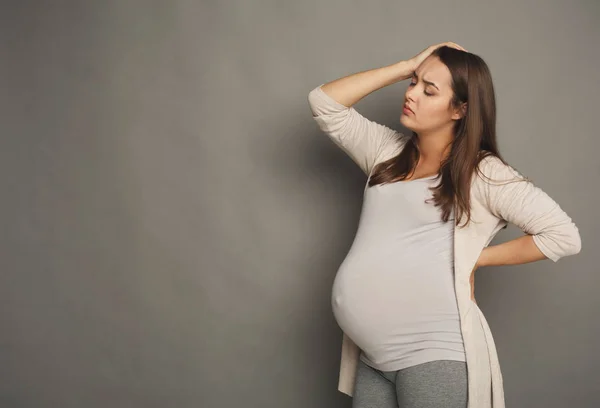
{"x": 434, "y": 148}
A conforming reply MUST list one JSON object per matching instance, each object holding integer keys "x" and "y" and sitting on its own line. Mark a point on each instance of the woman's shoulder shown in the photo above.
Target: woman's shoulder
{"x": 495, "y": 169}
{"x": 492, "y": 173}
{"x": 489, "y": 162}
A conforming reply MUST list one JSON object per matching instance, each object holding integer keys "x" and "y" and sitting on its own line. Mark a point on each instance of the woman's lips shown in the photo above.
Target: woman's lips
{"x": 407, "y": 110}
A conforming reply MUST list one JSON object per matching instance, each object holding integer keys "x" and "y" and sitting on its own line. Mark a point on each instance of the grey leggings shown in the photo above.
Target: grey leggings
{"x": 435, "y": 384}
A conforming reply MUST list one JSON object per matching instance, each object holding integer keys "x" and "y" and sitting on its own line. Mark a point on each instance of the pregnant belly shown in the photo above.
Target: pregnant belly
{"x": 376, "y": 307}
{"x": 363, "y": 308}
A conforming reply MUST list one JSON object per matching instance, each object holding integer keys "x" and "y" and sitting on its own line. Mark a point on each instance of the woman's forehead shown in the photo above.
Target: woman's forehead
{"x": 434, "y": 70}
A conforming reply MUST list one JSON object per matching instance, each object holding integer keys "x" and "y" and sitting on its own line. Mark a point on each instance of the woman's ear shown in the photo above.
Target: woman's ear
{"x": 460, "y": 112}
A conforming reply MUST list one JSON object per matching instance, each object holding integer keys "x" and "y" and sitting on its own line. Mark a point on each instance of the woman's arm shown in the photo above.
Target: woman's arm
{"x": 362, "y": 139}
{"x": 551, "y": 232}
{"x": 352, "y": 88}
{"x": 517, "y": 251}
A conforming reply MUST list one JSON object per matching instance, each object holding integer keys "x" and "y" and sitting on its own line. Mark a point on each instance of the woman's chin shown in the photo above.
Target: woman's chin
{"x": 406, "y": 122}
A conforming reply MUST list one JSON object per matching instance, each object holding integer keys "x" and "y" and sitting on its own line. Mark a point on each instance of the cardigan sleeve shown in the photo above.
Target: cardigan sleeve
{"x": 515, "y": 199}
{"x": 360, "y": 138}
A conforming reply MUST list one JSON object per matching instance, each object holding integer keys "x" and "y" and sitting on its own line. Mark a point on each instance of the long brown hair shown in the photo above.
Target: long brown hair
{"x": 474, "y": 136}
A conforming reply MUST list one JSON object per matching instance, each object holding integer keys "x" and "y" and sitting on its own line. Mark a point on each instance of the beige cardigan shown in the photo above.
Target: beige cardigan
{"x": 493, "y": 205}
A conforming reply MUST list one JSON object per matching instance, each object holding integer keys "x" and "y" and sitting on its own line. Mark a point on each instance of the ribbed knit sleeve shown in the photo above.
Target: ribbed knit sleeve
{"x": 513, "y": 198}
{"x": 364, "y": 140}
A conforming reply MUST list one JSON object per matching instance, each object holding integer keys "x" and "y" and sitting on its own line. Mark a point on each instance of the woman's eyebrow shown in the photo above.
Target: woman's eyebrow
{"x": 427, "y": 82}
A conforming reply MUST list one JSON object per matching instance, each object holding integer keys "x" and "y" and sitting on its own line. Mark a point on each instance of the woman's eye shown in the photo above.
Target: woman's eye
{"x": 427, "y": 93}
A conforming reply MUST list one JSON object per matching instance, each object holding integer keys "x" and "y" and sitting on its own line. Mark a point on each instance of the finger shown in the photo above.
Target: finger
{"x": 455, "y": 45}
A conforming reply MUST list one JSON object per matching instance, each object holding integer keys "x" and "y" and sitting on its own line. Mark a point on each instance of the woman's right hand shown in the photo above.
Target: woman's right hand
{"x": 415, "y": 61}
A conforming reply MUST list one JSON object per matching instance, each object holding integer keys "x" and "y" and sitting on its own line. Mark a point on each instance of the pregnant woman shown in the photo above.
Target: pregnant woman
{"x": 413, "y": 335}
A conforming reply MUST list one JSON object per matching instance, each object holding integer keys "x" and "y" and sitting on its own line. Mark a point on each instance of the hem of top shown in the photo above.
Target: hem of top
{"x": 395, "y": 366}
{"x": 544, "y": 250}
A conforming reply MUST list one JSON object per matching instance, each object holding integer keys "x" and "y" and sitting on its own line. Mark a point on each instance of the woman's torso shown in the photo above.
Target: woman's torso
{"x": 394, "y": 292}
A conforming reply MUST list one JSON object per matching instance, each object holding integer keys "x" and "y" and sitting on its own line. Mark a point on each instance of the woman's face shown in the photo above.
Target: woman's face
{"x": 428, "y": 96}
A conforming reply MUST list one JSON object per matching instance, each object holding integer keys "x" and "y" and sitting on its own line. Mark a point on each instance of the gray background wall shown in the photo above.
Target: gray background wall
{"x": 172, "y": 219}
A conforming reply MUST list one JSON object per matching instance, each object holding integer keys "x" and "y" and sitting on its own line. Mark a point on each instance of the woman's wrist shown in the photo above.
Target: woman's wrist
{"x": 483, "y": 261}
{"x": 403, "y": 69}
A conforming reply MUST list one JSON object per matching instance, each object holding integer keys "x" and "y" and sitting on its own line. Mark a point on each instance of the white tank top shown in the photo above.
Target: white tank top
{"x": 393, "y": 294}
